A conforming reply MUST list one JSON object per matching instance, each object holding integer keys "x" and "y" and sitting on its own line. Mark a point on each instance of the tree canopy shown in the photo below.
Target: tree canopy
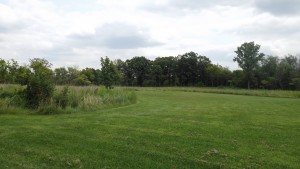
{"x": 248, "y": 57}
{"x": 188, "y": 69}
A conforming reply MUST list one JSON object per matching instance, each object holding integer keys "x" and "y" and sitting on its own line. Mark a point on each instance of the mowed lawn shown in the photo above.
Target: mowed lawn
{"x": 163, "y": 130}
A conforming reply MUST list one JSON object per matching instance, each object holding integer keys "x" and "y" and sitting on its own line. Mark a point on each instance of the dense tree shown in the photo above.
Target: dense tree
{"x": 128, "y": 73}
{"x": 61, "y": 76}
{"x": 192, "y": 69}
{"x": 238, "y": 78}
{"x": 168, "y": 68}
{"x": 218, "y": 75}
{"x": 90, "y": 73}
{"x": 3, "y": 71}
{"x": 121, "y": 66}
{"x": 202, "y": 66}
{"x": 248, "y": 57}
{"x": 109, "y": 73}
{"x": 156, "y": 74}
{"x": 187, "y": 71}
{"x": 40, "y": 86}
{"x": 286, "y": 71}
{"x": 23, "y": 74}
{"x": 73, "y": 75}
{"x": 267, "y": 72}
{"x": 140, "y": 67}
{"x": 12, "y": 70}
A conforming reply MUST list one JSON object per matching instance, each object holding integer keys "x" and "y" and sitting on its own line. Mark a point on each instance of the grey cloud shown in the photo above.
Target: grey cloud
{"x": 270, "y": 30}
{"x": 175, "y": 6}
{"x": 116, "y": 36}
{"x": 12, "y": 27}
{"x": 222, "y": 57}
{"x": 194, "y": 4}
{"x": 278, "y": 7}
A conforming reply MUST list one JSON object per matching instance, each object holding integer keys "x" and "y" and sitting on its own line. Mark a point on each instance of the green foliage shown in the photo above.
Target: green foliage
{"x": 189, "y": 69}
{"x": 109, "y": 73}
{"x": 62, "y": 100}
{"x": 40, "y": 86}
{"x": 66, "y": 99}
{"x": 23, "y": 74}
{"x": 61, "y": 76}
{"x": 139, "y": 66}
{"x": 3, "y": 70}
{"x": 168, "y": 70}
{"x": 81, "y": 80}
{"x": 248, "y": 57}
{"x": 192, "y": 69}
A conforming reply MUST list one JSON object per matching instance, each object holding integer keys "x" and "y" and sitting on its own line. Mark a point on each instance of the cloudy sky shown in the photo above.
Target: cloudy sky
{"x": 79, "y": 32}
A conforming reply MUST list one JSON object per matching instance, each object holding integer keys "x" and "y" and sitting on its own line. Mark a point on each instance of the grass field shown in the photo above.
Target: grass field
{"x": 164, "y": 129}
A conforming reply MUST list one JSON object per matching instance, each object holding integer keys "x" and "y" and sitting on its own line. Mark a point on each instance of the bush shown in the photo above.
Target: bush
{"x": 65, "y": 99}
{"x": 40, "y": 86}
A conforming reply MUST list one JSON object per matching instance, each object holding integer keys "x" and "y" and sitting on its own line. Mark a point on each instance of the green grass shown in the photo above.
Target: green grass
{"x": 164, "y": 129}
{"x": 233, "y": 91}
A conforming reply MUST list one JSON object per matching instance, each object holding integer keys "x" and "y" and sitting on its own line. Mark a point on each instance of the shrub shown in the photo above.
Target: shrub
{"x": 40, "y": 86}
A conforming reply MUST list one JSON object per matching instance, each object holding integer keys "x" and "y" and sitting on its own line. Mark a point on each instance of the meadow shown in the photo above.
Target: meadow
{"x": 66, "y": 99}
{"x": 164, "y": 128}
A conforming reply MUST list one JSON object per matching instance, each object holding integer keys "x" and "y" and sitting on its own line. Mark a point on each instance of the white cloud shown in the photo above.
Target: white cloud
{"x": 73, "y": 32}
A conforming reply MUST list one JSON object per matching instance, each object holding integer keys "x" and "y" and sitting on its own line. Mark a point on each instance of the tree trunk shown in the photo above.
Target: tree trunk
{"x": 248, "y": 84}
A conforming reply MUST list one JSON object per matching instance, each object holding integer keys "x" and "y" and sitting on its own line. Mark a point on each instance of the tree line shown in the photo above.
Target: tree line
{"x": 189, "y": 69}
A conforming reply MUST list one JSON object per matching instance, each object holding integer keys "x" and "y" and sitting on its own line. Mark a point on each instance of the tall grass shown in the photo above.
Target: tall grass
{"x": 92, "y": 98}
{"x": 66, "y": 99}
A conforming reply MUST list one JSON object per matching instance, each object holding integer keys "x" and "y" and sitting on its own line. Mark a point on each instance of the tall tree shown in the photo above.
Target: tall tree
{"x": 40, "y": 86}
{"x": 109, "y": 73}
{"x": 13, "y": 70}
{"x": 61, "y": 75}
{"x": 187, "y": 68}
{"x": 248, "y": 57}
{"x": 3, "y": 70}
{"x": 156, "y": 74}
{"x": 90, "y": 73}
{"x": 168, "y": 66}
{"x": 286, "y": 71}
{"x": 140, "y": 67}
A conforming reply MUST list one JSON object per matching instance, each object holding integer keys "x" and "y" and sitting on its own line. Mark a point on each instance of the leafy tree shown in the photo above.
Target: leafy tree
{"x": 269, "y": 66}
{"x": 202, "y": 65}
{"x": 192, "y": 69}
{"x": 90, "y": 73}
{"x": 121, "y": 67}
{"x": 97, "y": 80}
{"x": 3, "y": 71}
{"x": 109, "y": 73}
{"x": 156, "y": 74}
{"x": 40, "y": 86}
{"x": 23, "y": 74}
{"x": 238, "y": 78}
{"x": 61, "y": 75}
{"x": 248, "y": 57}
{"x": 187, "y": 71}
{"x": 128, "y": 73}
{"x": 13, "y": 70}
{"x": 286, "y": 71}
{"x": 73, "y": 73}
{"x": 168, "y": 66}
{"x": 81, "y": 80}
{"x": 140, "y": 68}
{"x": 219, "y": 76}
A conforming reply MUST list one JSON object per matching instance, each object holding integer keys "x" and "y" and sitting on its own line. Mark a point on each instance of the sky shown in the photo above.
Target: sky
{"x": 79, "y": 32}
